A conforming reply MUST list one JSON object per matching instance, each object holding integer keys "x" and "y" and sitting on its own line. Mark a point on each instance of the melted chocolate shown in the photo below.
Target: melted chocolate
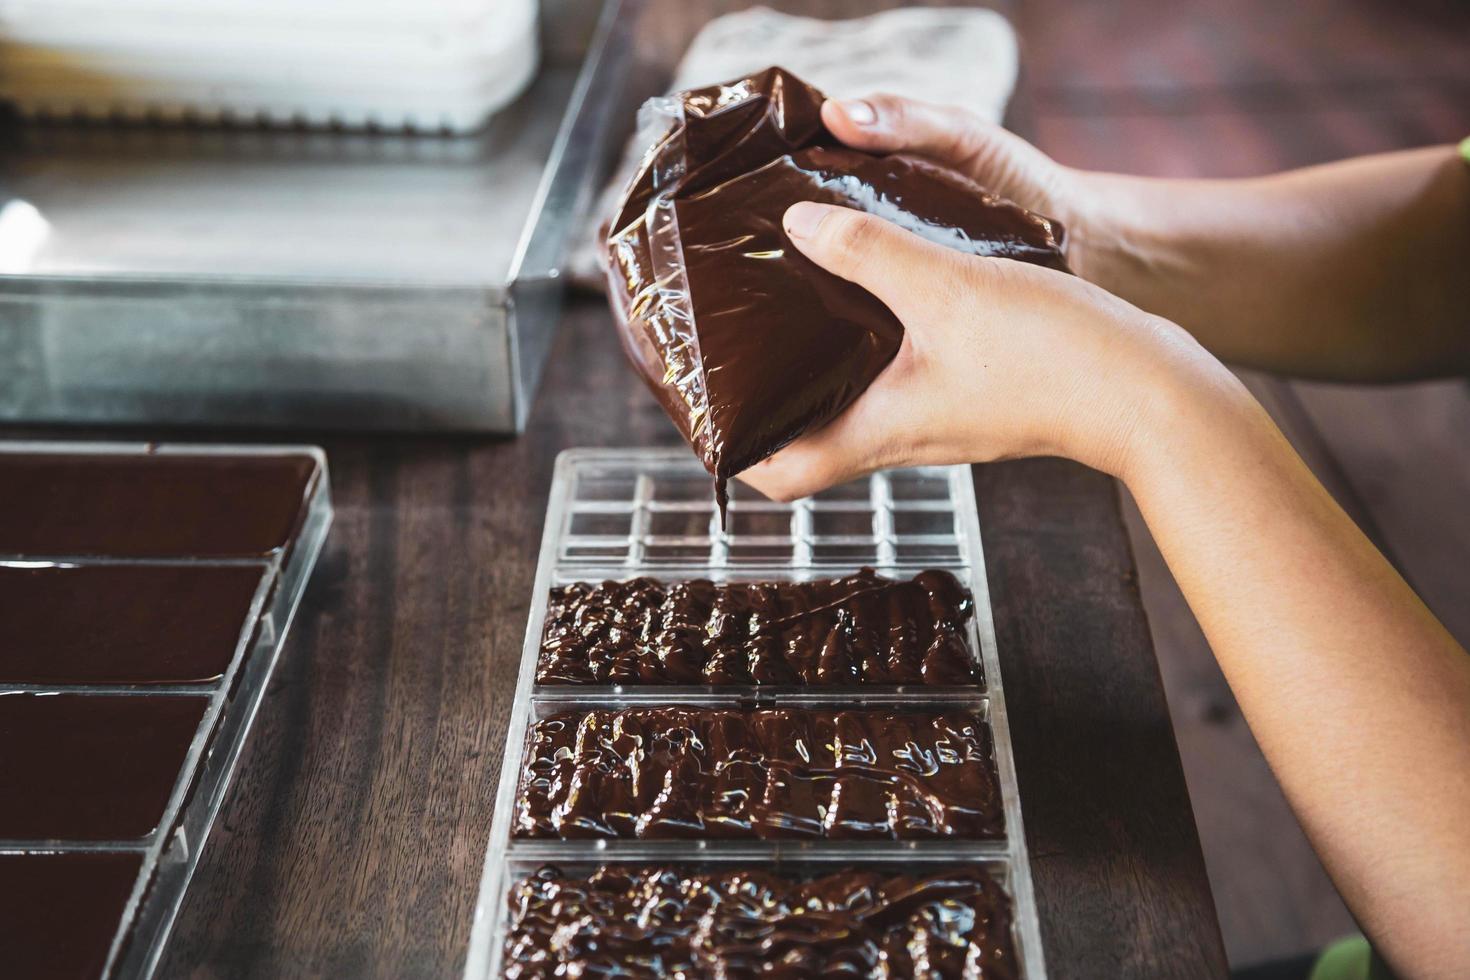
{"x": 59, "y": 912}
{"x": 676, "y": 772}
{"x": 122, "y": 624}
{"x": 745, "y": 342}
{"x": 162, "y": 505}
{"x": 665, "y": 922}
{"x": 861, "y": 629}
{"x": 91, "y": 767}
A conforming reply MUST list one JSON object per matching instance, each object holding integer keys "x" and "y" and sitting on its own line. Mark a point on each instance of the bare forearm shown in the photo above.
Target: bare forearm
{"x": 1357, "y": 695}
{"x": 1350, "y": 271}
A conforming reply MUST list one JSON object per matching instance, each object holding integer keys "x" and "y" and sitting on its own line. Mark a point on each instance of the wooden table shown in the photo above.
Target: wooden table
{"x": 351, "y": 843}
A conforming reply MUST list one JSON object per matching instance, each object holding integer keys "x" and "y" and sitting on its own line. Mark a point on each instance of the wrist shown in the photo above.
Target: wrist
{"x": 1187, "y": 426}
{"x": 1116, "y": 239}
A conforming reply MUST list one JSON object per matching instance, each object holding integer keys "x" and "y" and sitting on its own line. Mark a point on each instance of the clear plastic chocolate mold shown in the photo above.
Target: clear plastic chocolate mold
{"x": 620, "y": 515}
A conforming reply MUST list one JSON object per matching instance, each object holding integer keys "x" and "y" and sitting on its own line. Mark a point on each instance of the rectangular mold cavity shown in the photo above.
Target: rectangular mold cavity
{"x": 803, "y": 867}
{"x": 140, "y": 880}
{"x": 773, "y": 566}
{"x": 780, "y": 544}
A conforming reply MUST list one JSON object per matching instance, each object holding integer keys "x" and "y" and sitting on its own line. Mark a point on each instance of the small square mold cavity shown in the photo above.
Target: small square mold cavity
{"x": 743, "y": 523}
{"x": 925, "y": 551}
{"x": 605, "y": 485}
{"x": 760, "y": 551}
{"x": 601, "y": 524}
{"x": 918, "y": 485}
{"x": 680, "y": 523}
{"x": 858, "y": 554}
{"x": 690, "y": 487}
{"x": 909, "y": 522}
{"x": 842, "y": 523}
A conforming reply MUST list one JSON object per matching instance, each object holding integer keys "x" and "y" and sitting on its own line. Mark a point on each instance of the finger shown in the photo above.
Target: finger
{"x": 813, "y": 463}
{"x": 858, "y": 441}
{"x": 892, "y": 264}
{"x": 890, "y": 124}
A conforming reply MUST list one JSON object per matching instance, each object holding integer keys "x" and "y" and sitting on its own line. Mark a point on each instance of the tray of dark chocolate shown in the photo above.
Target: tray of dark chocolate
{"x": 145, "y": 593}
{"x": 664, "y": 811}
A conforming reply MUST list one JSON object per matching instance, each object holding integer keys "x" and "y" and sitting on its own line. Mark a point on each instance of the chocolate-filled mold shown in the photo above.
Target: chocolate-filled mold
{"x": 679, "y": 772}
{"x": 666, "y": 921}
{"x": 857, "y": 629}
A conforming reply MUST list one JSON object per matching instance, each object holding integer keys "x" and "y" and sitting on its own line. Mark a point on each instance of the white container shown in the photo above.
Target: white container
{"x": 436, "y": 65}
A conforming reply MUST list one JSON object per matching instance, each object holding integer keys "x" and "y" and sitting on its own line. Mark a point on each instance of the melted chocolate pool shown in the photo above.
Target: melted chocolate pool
{"x": 861, "y": 629}
{"x": 122, "y": 624}
{"x": 665, "y": 922}
{"x": 59, "y": 912}
{"x": 676, "y": 772}
{"x": 145, "y": 506}
{"x": 91, "y": 767}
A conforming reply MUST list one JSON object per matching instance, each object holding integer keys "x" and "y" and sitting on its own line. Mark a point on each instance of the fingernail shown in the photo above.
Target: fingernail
{"x": 803, "y": 218}
{"x": 860, "y": 113}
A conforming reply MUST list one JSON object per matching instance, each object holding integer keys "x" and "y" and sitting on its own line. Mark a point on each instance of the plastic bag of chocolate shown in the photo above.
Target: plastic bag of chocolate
{"x": 745, "y": 342}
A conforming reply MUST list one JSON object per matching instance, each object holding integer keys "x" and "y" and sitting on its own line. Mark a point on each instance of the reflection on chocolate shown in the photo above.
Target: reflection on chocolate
{"x": 861, "y": 629}
{"x": 91, "y": 767}
{"x": 121, "y": 624}
{"x": 665, "y": 922}
{"x": 59, "y": 912}
{"x": 146, "y": 506}
{"x": 745, "y": 342}
{"x": 676, "y": 772}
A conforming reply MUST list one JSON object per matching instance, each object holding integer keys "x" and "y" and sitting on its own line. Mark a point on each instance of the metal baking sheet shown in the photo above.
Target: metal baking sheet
{"x": 283, "y": 277}
{"x": 626, "y": 513}
{"x": 171, "y": 852}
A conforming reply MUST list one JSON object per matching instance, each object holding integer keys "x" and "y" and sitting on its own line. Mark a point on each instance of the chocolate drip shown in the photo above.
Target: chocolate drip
{"x": 746, "y": 343}
{"x": 665, "y": 922}
{"x": 859, "y": 629}
{"x": 676, "y": 772}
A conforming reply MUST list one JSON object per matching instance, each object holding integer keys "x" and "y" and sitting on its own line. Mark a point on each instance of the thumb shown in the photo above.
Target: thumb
{"x": 887, "y": 261}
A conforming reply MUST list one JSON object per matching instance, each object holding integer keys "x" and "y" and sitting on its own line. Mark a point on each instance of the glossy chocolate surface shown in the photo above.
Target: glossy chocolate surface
{"x": 860, "y": 629}
{"x": 667, "y": 922}
{"x": 678, "y": 772}
{"x": 144, "y": 506}
{"x": 91, "y": 767}
{"x": 59, "y": 912}
{"x": 120, "y": 623}
{"x": 746, "y": 343}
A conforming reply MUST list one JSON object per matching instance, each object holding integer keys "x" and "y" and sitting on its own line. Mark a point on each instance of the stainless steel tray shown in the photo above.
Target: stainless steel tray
{"x": 284, "y": 278}
{"x": 171, "y": 852}
{"x": 625, "y": 513}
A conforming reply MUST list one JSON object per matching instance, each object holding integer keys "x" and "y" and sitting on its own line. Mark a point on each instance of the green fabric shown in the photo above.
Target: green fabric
{"x": 1465, "y": 149}
{"x": 1352, "y": 958}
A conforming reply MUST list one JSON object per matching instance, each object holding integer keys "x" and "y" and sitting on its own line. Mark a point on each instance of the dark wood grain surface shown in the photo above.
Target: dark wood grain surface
{"x": 351, "y": 842}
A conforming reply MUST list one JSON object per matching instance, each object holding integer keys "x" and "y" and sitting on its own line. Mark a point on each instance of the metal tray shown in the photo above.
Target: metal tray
{"x": 286, "y": 278}
{"x": 171, "y": 852}
{"x": 626, "y": 513}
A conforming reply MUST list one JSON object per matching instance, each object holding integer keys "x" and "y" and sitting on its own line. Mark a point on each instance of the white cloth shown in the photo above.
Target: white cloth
{"x": 954, "y": 56}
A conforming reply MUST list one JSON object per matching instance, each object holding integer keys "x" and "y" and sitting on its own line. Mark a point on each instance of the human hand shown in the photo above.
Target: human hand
{"x": 1000, "y": 161}
{"x": 999, "y": 359}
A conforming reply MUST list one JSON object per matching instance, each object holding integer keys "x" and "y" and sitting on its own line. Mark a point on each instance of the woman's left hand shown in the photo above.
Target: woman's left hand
{"x": 999, "y": 359}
